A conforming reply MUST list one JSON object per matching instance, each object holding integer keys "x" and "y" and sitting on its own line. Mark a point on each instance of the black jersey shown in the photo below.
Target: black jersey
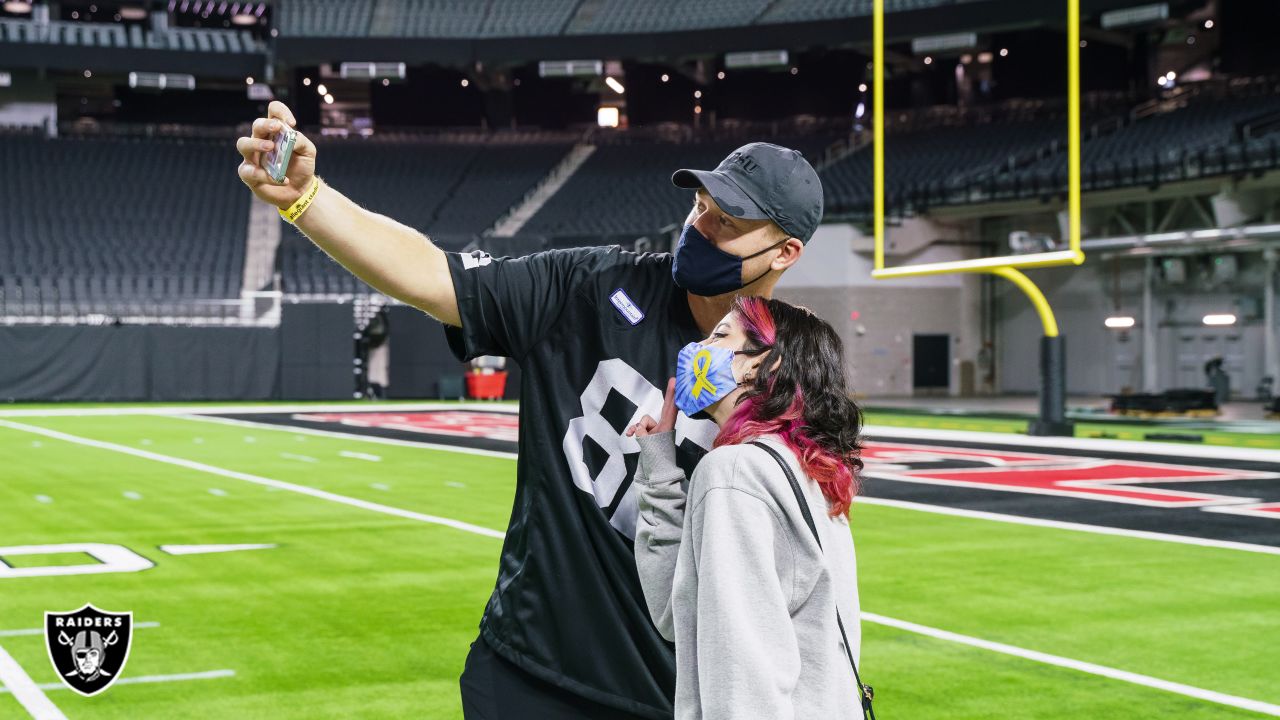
{"x": 596, "y": 332}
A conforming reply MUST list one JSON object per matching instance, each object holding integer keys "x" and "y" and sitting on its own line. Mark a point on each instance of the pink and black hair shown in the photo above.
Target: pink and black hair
{"x": 805, "y": 400}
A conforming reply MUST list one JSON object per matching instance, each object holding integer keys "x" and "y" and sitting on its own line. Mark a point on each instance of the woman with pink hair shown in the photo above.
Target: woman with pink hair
{"x": 749, "y": 566}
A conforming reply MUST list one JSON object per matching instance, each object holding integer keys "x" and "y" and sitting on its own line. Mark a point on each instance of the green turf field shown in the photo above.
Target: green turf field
{"x": 361, "y": 613}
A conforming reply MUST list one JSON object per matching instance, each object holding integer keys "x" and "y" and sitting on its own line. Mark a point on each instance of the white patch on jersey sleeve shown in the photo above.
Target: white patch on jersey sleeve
{"x": 475, "y": 259}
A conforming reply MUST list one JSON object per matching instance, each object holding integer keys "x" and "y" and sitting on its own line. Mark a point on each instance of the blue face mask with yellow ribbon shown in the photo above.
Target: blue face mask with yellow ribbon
{"x": 704, "y": 376}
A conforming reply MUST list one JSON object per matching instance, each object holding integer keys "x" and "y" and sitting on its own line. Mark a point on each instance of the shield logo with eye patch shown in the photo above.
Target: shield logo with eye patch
{"x": 88, "y": 647}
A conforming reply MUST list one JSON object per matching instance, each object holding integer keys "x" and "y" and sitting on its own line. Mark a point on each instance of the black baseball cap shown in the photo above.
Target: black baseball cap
{"x": 761, "y": 181}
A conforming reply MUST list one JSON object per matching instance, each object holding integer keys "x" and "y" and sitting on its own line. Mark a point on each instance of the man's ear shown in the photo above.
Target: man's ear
{"x": 797, "y": 248}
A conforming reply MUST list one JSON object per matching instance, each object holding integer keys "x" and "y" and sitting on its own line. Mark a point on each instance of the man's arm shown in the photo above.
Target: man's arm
{"x": 394, "y": 259}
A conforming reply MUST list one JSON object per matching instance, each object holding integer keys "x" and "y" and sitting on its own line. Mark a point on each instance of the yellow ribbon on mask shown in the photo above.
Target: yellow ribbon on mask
{"x": 701, "y": 366}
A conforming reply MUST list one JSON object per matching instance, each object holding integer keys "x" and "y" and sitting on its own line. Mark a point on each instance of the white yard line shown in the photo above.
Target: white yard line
{"x": 267, "y": 482}
{"x": 15, "y": 680}
{"x": 1086, "y": 667}
{"x": 1062, "y": 525}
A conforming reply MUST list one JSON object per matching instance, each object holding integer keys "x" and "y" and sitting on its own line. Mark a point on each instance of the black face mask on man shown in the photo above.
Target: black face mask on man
{"x": 704, "y": 269}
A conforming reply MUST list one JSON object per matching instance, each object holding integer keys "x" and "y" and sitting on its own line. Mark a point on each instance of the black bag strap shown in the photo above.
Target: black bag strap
{"x": 867, "y": 693}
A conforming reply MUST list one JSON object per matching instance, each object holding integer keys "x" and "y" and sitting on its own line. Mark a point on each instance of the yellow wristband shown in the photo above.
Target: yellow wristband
{"x": 300, "y": 206}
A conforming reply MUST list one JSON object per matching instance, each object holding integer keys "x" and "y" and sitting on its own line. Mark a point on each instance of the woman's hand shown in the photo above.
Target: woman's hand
{"x": 649, "y": 426}
{"x": 302, "y": 163}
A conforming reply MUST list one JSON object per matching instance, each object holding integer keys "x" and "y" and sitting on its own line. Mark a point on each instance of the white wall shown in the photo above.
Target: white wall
{"x": 834, "y": 279}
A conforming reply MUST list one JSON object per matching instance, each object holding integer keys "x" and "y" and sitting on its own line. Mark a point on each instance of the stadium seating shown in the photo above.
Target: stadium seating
{"x": 451, "y": 190}
{"x": 526, "y": 18}
{"x": 78, "y": 238}
{"x": 1159, "y": 148}
{"x": 625, "y": 16}
{"x": 933, "y": 157}
{"x": 625, "y": 188}
{"x": 1021, "y": 159}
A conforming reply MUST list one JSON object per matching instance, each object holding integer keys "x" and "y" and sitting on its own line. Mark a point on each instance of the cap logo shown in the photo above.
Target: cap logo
{"x": 748, "y": 164}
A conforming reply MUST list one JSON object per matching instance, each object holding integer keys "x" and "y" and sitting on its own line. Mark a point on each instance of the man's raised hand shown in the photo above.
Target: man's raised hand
{"x": 302, "y": 163}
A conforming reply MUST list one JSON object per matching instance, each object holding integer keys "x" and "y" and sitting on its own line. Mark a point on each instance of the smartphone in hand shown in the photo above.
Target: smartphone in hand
{"x": 276, "y": 161}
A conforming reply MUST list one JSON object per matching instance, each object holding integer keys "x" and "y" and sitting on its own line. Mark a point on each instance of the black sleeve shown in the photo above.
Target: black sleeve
{"x": 507, "y": 304}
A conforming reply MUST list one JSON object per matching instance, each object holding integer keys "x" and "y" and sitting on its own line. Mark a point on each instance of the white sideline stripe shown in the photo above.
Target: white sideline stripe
{"x": 1063, "y": 525}
{"x": 1086, "y": 667}
{"x": 350, "y": 436}
{"x": 14, "y": 679}
{"x": 268, "y": 482}
{"x": 206, "y": 675}
{"x": 255, "y": 409}
{"x": 1049, "y": 444}
{"x": 40, "y": 631}
{"x": 360, "y": 456}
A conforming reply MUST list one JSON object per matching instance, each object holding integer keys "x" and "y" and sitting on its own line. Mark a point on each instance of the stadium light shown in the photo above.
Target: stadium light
{"x": 1208, "y": 24}
{"x": 665, "y": 77}
{"x": 321, "y": 90}
{"x": 720, "y": 75}
{"x": 862, "y": 87}
{"x": 1004, "y": 52}
{"x": 328, "y": 99}
{"x": 928, "y": 60}
{"x": 1119, "y": 322}
{"x": 465, "y": 82}
{"x": 306, "y": 82}
{"x": 1222, "y": 319}
{"x": 17, "y": 7}
{"x": 614, "y": 84}
{"x": 248, "y": 80}
{"x": 697, "y": 94}
{"x": 607, "y": 117}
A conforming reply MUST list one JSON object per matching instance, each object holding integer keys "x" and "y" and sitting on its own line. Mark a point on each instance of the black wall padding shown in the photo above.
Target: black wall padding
{"x": 148, "y": 362}
{"x": 420, "y": 355}
{"x": 317, "y": 348}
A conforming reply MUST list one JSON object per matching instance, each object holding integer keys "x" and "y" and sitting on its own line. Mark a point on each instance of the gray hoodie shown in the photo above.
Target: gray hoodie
{"x": 733, "y": 576}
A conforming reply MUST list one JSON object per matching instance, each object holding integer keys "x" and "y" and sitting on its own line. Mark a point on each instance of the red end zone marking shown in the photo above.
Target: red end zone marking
{"x": 1066, "y": 476}
{"x": 1008, "y": 470}
{"x": 459, "y": 423}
